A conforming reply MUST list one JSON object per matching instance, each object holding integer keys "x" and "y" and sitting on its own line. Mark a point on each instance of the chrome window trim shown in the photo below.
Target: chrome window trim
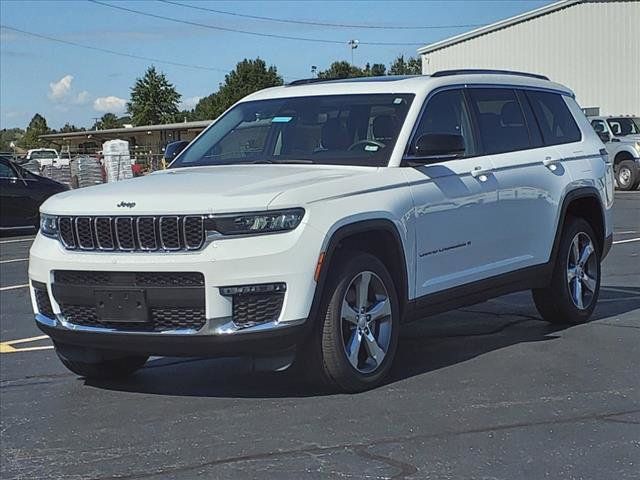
{"x": 133, "y": 234}
{"x": 113, "y": 240}
{"x": 155, "y": 236}
{"x": 93, "y": 243}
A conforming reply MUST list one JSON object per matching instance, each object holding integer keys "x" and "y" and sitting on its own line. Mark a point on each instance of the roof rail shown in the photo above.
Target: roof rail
{"x": 479, "y": 71}
{"x": 306, "y": 81}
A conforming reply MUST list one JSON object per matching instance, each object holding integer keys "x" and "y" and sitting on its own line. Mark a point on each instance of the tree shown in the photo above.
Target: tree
{"x": 69, "y": 128}
{"x": 8, "y": 135}
{"x": 153, "y": 99}
{"x": 410, "y": 66}
{"x": 249, "y": 76}
{"x": 31, "y": 138}
{"x": 341, "y": 69}
{"x": 107, "y": 121}
{"x": 375, "y": 70}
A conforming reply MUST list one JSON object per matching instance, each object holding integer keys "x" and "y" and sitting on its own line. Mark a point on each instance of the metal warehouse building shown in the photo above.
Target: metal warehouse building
{"x": 591, "y": 46}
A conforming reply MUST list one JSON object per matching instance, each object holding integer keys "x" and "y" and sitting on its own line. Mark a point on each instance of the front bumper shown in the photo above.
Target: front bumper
{"x": 265, "y": 341}
{"x": 284, "y": 259}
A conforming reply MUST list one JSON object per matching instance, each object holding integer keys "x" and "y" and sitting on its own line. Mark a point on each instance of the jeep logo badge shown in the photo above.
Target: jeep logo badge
{"x": 126, "y": 204}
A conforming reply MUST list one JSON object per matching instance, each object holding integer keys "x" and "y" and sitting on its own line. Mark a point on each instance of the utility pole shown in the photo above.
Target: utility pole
{"x": 353, "y": 44}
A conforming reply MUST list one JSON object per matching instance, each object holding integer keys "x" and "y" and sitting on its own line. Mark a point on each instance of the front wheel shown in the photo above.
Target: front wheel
{"x": 575, "y": 285}
{"x": 627, "y": 175}
{"x": 357, "y": 334}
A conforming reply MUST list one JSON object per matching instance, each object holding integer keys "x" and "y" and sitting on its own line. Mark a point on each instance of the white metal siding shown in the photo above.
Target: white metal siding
{"x": 593, "y": 48}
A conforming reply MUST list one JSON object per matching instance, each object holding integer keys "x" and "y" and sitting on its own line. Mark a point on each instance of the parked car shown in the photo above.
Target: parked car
{"x": 310, "y": 220}
{"x": 621, "y": 137}
{"x": 173, "y": 149}
{"x": 21, "y": 194}
{"x": 46, "y": 157}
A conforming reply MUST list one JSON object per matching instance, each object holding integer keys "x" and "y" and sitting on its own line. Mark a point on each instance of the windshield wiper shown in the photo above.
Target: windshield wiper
{"x": 282, "y": 161}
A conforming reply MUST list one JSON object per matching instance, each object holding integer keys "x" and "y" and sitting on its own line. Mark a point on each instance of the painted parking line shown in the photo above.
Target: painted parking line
{"x": 18, "y": 240}
{"x": 628, "y": 240}
{"x": 8, "y": 347}
{"x": 14, "y": 260}
{"x": 13, "y": 287}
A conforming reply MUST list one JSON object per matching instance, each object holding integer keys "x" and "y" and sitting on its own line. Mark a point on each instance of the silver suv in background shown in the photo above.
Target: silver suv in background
{"x": 621, "y": 137}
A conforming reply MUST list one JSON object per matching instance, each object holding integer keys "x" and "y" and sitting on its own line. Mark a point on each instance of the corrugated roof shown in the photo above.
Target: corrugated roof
{"x": 523, "y": 17}
{"x": 142, "y": 128}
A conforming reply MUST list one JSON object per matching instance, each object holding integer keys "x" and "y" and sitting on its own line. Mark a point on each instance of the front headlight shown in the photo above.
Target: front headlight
{"x": 49, "y": 225}
{"x": 255, "y": 223}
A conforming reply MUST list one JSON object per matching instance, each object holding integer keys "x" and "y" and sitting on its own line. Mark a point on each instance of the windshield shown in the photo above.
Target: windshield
{"x": 336, "y": 130}
{"x": 624, "y": 126}
{"x": 39, "y": 154}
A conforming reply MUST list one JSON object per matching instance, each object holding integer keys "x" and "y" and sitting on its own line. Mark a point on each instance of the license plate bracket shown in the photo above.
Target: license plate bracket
{"x": 121, "y": 305}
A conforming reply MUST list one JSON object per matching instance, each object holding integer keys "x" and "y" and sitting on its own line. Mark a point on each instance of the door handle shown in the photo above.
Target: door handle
{"x": 550, "y": 163}
{"x": 480, "y": 173}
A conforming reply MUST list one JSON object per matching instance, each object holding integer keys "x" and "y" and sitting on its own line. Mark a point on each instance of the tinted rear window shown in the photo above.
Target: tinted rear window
{"x": 554, "y": 118}
{"x": 501, "y": 121}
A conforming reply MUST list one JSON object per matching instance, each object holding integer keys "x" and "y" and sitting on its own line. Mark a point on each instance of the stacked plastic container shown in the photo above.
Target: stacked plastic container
{"x": 117, "y": 160}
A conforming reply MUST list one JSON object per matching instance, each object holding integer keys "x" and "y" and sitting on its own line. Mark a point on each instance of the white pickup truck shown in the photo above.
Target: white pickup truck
{"x": 47, "y": 157}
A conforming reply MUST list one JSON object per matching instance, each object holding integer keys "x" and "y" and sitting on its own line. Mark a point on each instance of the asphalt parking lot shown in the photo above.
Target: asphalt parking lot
{"x": 485, "y": 392}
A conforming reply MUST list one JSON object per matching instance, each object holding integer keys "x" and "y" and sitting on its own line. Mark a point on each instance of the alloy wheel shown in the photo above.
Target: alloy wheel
{"x": 582, "y": 271}
{"x": 366, "y": 322}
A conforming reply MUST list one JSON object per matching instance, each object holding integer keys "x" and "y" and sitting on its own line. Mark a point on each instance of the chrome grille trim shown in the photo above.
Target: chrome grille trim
{"x": 187, "y": 245}
{"x": 165, "y": 236}
{"x": 89, "y": 232}
{"x": 112, "y": 241}
{"x": 145, "y": 233}
{"x": 120, "y": 232}
{"x": 153, "y": 229}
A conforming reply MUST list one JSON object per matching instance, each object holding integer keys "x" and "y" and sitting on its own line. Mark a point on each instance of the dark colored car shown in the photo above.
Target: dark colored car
{"x": 21, "y": 194}
{"x": 172, "y": 150}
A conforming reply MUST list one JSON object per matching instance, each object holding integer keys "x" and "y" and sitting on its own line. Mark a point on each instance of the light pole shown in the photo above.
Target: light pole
{"x": 353, "y": 44}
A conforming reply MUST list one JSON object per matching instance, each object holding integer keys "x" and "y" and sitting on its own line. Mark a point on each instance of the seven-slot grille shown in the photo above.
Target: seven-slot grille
{"x": 136, "y": 233}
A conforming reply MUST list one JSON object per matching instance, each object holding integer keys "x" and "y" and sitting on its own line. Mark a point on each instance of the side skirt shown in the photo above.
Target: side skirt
{"x": 524, "y": 279}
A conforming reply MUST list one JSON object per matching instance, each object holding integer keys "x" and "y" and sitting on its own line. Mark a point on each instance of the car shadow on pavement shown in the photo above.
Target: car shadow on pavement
{"x": 425, "y": 346}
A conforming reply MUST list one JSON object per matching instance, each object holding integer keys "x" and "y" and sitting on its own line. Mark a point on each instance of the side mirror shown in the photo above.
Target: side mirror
{"x": 604, "y": 136}
{"x": 438, "y": 145}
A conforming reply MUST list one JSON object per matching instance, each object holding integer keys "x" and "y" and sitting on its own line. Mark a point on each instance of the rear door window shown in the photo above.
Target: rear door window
{"x": 554, "y": 118}
{"x": 500, "y": 119}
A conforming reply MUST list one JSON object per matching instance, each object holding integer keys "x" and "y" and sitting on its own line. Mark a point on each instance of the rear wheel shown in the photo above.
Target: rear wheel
{"x": 99, "y": 364}
{"x": 575, "y": 285}
{"x": 357, "y": 332}
{"x": 627, "y": 175}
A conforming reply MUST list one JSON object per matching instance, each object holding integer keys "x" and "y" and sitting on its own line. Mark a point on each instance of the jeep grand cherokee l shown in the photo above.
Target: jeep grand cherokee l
{"x": 310, "y": 220}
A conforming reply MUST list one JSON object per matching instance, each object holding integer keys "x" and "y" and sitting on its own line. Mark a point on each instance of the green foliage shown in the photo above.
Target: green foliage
{"x": 8, "y": 135}
{"x": 410, "y": 66}
{"x": 341, "y": 69}
{"x": 249, "y": 76}
{"x": 107, "y": 121}
{"x": 153, "y": 99}
{"x": 68, "y": 128}
{"x": 31, "y": 138}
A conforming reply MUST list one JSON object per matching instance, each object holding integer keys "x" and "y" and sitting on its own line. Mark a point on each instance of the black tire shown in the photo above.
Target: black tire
{"x": 99, "y": 364}
{"x": 627, "y": 175}
{"x": 329, "y": 359}
{"x": 555, "y": 303}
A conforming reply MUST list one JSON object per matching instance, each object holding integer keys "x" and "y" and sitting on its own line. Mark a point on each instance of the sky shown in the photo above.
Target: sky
{"x": 67, "y": 83}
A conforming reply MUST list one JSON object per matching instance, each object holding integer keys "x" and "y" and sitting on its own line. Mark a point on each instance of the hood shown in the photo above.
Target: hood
{"x": 197, "y": 190}
{"x": 629, "y": 139}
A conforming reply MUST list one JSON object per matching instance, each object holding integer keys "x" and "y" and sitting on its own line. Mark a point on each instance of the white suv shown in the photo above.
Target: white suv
{"x": 310, "y": 220}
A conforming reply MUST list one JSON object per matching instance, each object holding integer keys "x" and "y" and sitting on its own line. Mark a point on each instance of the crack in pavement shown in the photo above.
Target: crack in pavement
{"x": 364, "y": 445}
